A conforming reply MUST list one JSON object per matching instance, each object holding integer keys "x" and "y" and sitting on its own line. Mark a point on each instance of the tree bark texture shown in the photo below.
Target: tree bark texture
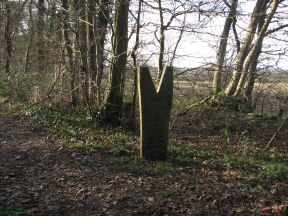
{"x": 161, "y": 42}
{"x": 135, "y": 71}
{"x": 102, "y": 21}
{"x": 81, "y": 8}
{"x": 255, "y": 47}
{"x": 70, "y": 53}
{"x": 252, "y": 73}
{"x": 31, "y": 25}
{"x": 41, "y": 34}
{"x": 91, "y": 15}
{"x": 114, "y": 100}
{"x": 216, "y": 85}
{"x": 242, "y": 54}
{"x": 8, "y": 37}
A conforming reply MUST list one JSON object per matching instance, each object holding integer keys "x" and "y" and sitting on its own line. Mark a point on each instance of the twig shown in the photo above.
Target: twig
{"x": 193, "y": 105}
{"x": 186, "y": 111}
{"x": 43, "y": 99}
{"x": 276, "y": 133}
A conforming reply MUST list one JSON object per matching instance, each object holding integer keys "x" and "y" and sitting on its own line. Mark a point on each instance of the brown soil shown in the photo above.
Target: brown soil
{"x": 42, "y": 176}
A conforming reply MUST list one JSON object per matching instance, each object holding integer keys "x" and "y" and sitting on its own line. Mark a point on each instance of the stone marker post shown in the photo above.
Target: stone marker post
{"x": 155, "y": 109}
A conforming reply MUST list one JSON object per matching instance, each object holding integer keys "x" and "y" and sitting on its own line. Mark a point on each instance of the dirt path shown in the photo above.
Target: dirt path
{"x": 39, "y": 176}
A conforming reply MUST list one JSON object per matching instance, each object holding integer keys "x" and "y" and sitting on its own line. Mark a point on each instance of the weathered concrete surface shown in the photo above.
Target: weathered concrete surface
{"x": 155, "y": 110}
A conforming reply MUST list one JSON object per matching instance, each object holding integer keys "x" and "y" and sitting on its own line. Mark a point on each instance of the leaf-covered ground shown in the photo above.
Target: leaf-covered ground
{"x": 67, "y": 167}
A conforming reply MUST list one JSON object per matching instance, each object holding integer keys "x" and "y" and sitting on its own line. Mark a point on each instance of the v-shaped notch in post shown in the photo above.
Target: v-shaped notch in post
{"x": 155, "y": 109}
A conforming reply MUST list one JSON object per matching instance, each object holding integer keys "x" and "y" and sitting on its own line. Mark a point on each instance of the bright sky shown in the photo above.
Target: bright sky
{"x": 200, "y": 48}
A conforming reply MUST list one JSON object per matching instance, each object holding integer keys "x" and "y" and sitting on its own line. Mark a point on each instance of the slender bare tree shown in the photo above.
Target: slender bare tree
{"x": 217, "y": 86}
{"x": 41, "y": 34}
{"x": 113, "y": 104}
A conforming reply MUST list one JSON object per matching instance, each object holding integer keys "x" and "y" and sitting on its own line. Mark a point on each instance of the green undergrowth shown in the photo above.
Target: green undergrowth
{"x": 275, "y": 172}
{"x": 163, "y": 167}
{"x": 3, "y": 128}
{"x": 267, "y": 165}
{"x": 13, "y": 213}
{"x": 244, "y": 156}
{"x": 7, "y": 109}
{"x": 75, "y": 127}
{"x": 221, "y": 119}
{"x": 4, "y": 88}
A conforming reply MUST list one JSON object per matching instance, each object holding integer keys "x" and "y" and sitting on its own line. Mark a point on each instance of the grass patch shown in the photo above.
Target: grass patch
{"x": 164, "y": 194}
{"x": 137, "y": 163}
{"x": 96, "y": 146}
{"x": 163, "y": 167}
{"x": 118, "y": 139}
{"x": 78, "y": 128}
{"x": 3, "y": 128}
{"x": 118, "y": 150}
{"x": 72, "y": 125}
{"x": 119, "y": 142}
{"x": 76, "y": 145}
{"x": 13, "y": 213}
{"x": 191, "y": 154}
{"x": 275, "y": 172}
{"x": 259, "y": 190}
{"x": 237, "y": 160}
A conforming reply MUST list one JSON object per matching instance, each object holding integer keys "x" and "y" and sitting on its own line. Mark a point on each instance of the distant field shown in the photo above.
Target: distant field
{"x": 269, "y": 97}
{"x": 188, "y": 84}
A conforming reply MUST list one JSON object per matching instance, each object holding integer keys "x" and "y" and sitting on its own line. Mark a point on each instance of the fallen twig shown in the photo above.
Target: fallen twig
{"x": 276, "y": 133}
{"x": 193, "y": 105}
{"x": 187, "y": 110}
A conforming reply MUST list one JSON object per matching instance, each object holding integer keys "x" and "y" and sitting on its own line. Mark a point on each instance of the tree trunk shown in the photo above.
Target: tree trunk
{"x": 161, "y": 42}
{"x": 8, "y": 38}
{"x": 70, "y": 52}
{"x": 91, "y": 14}
{"x": 114, "y": 100}
{"x": 41, "y": 37}
{"x": 83, "y": 47}
{"x": 31, "y": 25}
{"x": 216, "y": 86}
{"x": 135, "y": 72}
{"x": 251, "y": 80}
{"x": 242, "y": 54}
{"x": 256, "y": 46}
{"x": 102, "y": 23}
{"x": 253, "y": 70}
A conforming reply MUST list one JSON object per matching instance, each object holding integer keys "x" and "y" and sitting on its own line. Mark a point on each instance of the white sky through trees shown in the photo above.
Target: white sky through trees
{"x": 199, "y": 43}
{"x": 202, "y": 31}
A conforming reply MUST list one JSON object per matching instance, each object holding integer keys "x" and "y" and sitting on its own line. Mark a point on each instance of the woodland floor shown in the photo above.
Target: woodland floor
{"x": 42, "y": 175}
